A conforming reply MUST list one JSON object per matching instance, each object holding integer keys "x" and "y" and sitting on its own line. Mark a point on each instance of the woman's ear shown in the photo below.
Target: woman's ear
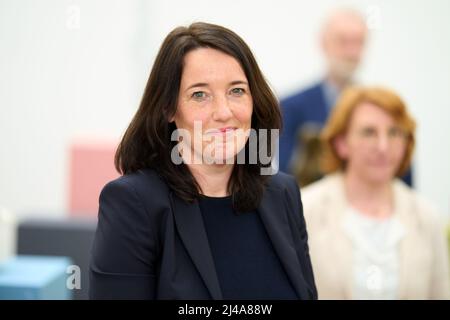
{"x": 341, "y": 146}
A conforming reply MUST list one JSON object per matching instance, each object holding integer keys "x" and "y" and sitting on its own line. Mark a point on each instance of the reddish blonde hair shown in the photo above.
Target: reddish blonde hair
{"x": 339, "y": 120}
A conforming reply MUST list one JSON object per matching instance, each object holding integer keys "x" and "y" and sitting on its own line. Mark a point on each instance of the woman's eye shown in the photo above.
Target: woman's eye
{"x": 368, "y": 132}
{"x": 238, "y": 91}
{"x": 199, "y": 95}
{"x": 395, "y": 132}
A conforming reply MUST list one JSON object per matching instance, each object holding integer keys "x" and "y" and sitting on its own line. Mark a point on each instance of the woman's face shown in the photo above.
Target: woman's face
{"x": 374, "y": 145}
{"x": 214, "y": 93}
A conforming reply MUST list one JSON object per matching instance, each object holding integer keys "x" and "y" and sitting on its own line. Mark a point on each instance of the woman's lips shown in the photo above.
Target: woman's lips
{"x": 220, "y": 131}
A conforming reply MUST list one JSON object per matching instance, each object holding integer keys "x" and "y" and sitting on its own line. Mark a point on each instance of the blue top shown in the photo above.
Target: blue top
{"x": 246, "y": 264}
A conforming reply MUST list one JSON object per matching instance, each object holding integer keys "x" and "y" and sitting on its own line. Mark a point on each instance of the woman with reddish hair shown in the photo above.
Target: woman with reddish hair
{"x": 371, "y": 236}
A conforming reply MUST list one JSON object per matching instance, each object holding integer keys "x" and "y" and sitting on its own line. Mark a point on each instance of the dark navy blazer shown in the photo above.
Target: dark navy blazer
{"x": 150, "y": 244}
{"x": 308, "y": 106}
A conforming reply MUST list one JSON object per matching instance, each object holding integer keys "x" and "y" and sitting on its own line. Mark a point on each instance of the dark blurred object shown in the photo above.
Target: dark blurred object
{"x": 306, "y": 166}
{"x": 71, "y": 237}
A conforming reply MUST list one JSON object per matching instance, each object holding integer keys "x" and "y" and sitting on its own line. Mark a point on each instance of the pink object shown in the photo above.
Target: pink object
{"x": 91, "y": 167}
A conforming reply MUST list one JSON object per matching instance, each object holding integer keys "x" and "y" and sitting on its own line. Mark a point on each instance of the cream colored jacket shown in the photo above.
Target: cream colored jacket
{"x": 424, "y": 269}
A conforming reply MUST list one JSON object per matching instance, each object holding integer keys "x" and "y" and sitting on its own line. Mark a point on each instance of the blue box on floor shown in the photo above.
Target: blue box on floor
{"x": 35, "y": 278}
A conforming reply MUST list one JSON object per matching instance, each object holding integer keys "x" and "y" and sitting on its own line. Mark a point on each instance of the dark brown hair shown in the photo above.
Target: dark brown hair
{"x": 147, "y": 141}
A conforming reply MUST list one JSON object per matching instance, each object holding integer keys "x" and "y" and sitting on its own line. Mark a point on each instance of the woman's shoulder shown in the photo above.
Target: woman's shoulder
{"x": 329, "y": 185}
{"x": 146, "y": 185}
{"x": 140, "y": 179}
{"x": 417, "y": 206}
{"x": 322, "y": 199}
{"x": 281, "y": 180}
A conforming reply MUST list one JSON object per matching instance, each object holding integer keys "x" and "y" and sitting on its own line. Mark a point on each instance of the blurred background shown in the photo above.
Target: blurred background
{"x": 72, "y": 74}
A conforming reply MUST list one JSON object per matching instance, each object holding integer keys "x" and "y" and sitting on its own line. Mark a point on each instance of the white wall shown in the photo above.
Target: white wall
{"x": 60, "y": 79}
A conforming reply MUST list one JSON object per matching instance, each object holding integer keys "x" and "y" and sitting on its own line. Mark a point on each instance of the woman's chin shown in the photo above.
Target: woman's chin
{"x": 224, "y": 154}
{"x": 220, "y": 158}
{"x": 379, "y": 175}
{"x": 219, "y": 161}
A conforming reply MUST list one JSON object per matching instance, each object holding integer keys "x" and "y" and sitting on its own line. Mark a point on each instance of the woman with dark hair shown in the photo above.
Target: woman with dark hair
{"x": 188, "y": 220}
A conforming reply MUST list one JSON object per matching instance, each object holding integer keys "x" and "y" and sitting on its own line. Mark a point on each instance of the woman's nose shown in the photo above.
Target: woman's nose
{"x": 221, "y": 110}
{"x": 383, "y": 142}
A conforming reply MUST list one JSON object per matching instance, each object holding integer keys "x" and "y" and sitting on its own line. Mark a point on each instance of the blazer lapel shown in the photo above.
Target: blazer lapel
{"x": 272, "y": 211}
{"x": 190, "y": 226}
